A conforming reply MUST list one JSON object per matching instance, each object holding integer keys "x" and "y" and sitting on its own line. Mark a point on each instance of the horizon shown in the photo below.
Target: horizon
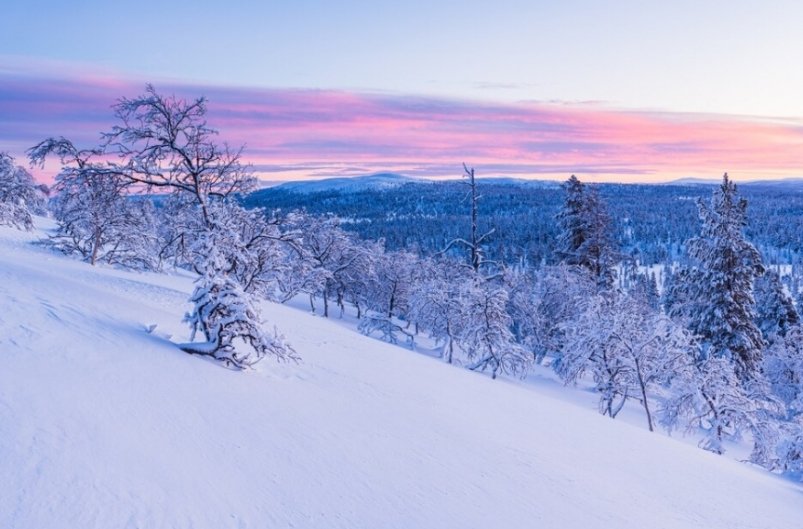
{"x": 688, "y": 180}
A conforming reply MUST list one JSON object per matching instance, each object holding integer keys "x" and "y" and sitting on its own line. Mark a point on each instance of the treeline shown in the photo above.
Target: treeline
{"x": 717, "y": 353}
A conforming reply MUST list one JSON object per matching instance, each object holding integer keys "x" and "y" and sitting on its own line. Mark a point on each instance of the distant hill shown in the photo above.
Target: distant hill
{"x": 786, "y": 183}
{"x": 377, "y": 181}
{"x": 524, "y": 182}
{"x": 790, "y": 183}
{"x": 382, "y": 181}
{"x": 694, "y": 182}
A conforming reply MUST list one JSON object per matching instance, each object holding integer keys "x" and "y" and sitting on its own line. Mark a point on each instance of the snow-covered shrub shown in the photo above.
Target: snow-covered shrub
{"x": 709, "y": 396}
{"x": 99, "y": 223}
{"x": 558, "y": 297}
{"x": 631, "y": 351}
{"x": 783, "y": 368}
{"x": 436, "y": 304}
{"x": 20, "y": 196}
{"x": 485, "y": 330}
{"x": 789, "y": 450}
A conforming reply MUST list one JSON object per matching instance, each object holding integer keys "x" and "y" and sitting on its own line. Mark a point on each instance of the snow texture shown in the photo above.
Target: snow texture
{"x": 105, "y": 423}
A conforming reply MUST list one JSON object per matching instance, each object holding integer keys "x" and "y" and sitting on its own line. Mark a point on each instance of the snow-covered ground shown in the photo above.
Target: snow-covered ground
{"x": 105, "y": 425}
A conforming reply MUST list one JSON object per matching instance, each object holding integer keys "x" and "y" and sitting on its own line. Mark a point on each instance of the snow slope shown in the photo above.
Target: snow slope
{"x": 104, "y": 425}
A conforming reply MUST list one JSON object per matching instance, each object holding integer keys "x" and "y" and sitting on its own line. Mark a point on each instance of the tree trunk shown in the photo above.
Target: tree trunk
{"x": 643, "y": 387}
{"x": 95, "y": 248}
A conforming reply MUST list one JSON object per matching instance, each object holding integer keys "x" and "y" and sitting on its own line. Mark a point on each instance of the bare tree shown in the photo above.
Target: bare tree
{"x": 475, "y": 240}
{"x": 164, "y": 142}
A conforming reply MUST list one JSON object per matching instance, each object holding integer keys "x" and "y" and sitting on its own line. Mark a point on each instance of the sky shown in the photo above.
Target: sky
{"x": 611, "y": 91}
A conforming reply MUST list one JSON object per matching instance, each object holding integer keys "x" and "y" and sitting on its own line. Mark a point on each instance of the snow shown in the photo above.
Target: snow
{"x": 104, "y": 424}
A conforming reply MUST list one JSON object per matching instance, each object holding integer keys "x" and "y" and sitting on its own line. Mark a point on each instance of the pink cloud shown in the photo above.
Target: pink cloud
{"x": 296, "y": 133}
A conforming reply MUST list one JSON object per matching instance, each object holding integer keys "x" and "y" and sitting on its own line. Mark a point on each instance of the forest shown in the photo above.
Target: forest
{"x": 502, "y": 277}
{"x": 651, "y": 222}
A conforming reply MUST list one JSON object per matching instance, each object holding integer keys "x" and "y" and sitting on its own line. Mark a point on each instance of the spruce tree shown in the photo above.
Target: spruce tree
{"x": 571, "y": 223}
{"x": 776, "y": 312}
{"x": 722, "y": 293}
{"x": 586, "y": 239}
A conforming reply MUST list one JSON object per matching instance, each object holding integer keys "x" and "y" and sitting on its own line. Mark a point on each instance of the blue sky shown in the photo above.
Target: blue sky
{"x": 701, "y": 61}
{"x": 739, "y": 57}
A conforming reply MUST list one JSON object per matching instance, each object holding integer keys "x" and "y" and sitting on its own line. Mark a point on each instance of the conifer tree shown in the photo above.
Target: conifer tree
{"x": 727, "y": 265}
{"x": 586, "y": 239}
{"x": 776, "y": 312}
{"x": 570, "y": 220}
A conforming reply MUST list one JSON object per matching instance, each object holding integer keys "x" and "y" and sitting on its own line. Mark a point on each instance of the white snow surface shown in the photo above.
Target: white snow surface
{"x": 105, "y": 425}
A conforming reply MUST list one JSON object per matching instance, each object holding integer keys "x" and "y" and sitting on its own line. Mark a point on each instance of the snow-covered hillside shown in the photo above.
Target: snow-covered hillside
{"x": 105, "y": 425}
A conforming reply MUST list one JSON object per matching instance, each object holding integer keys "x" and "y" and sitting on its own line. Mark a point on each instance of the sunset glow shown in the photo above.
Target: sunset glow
{"x": 292, "y": 134}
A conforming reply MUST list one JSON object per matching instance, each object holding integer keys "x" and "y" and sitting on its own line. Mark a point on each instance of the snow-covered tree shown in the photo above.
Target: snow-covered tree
{"x": 164, "y": 142}
{"x": 681, "y": 299}
{"x": 789, "y": 450}
{"x": 599, "y": 252}
{"x": 543, "y": 316}
{"x": 573, "y": 232}
{"x": 351, "y": 278}
{"x": 775, "y": 310}
{"x": 334, "y": 261}
{"x": 436, "y": 304}
{"x": 388, "y": 298}
{"x": 486, "y": 336}
{"x": 586, "y": 239}
{"x": 523, "y": 306}
{"x": 224, "y": 313}
{"x": 783, "y": 369}
{"x": 20, "y": 196}
{"x": 710, "y": 397}
{"x": 722, "y": 293}
{"x": 266, "y": 254}
{"x": 645, "y": 290}
{"x": 630, "y": 350}
{"x": 178, "y": 226}
{"x": 96, "y": 218}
